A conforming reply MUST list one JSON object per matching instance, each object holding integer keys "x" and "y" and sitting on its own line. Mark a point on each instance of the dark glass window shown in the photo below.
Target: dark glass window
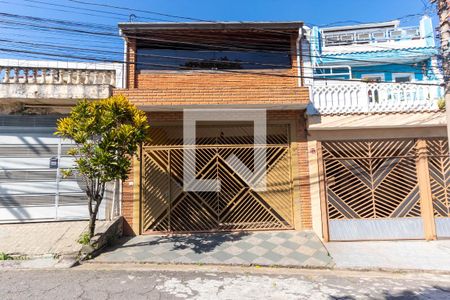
{"x": 175, "y": 59}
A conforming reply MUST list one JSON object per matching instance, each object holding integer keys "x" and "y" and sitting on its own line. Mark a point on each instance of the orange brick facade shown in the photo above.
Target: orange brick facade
{"x": 295, "y": 116}
{"x": 279, "y": 91}
{"x": 128, "y": 205}
{"x": 232, "y": 87}
{"x": 186, "y": 96}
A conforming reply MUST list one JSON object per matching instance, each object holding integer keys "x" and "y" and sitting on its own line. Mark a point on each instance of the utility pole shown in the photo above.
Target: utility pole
{"x": 443, "y": 7}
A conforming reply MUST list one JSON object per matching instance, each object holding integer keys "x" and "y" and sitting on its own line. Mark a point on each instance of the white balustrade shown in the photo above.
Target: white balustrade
{"x": 361, "y": 97}
{"x": 11, "y": 74}
{"x": 366, "y": 36}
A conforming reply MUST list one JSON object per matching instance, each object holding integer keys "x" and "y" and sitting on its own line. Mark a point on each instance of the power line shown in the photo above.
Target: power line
{"x": 71, "y": 56}
{"x": 153, "y": 12}
{"x": 101, "y": 33}
{"x": 89, "y": 25}
{"x": 336, "y": 58}
{"x": 171, "y": 15}
{"x": 108, "y": 34}
{"x": 139, "y": 10}
{"x": 94, "y": 10}
{"x": 182, "y": 58}
{"x": 59, "y": 22}
{"x": 166, "y": 15}
{"x": 78, "y": 12}
{"x": 46, "y": 37}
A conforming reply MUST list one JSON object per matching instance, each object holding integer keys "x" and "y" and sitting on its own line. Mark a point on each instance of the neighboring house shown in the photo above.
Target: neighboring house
{"x": 176, "y": 66}
{"x": 377, "y": 138}
{"x": 33, "y": 95}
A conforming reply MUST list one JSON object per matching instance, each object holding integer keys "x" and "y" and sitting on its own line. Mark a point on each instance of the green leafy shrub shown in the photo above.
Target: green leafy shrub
{"x": 441, "y": 104}
{"x": 5, "y": 256}
{"x": 84, "y": 239}
{"x": 107, "y": 134}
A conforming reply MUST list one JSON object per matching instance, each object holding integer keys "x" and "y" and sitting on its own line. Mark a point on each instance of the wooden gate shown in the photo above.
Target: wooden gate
{"x": 167, "y": 208}
{"x": 372, "y": 190}
{"x": 439, "y": 170}
{"x": 387, "y": 189}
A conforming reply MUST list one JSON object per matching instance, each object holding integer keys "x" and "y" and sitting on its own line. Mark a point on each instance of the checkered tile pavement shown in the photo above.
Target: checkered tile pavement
{"x": 281, "y": 248}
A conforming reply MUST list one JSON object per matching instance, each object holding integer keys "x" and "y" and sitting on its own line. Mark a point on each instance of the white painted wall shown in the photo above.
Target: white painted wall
{"x": 117, "y": 67}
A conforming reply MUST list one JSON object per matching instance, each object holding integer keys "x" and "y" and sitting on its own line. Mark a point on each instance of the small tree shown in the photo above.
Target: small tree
{"x": 106, "y": 134}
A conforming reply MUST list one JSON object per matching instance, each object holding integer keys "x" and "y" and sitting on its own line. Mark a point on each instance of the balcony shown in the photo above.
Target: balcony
{"x": 371, "y": 36}
{"x": 388, "y": 38}
{"x": 361, "y": 97}
{"x": 48, "y": 81}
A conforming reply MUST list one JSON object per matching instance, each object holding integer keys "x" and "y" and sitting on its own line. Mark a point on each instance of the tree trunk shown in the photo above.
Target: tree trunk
{"x": 92, "y": 220}
{"x": 93, "y": 213}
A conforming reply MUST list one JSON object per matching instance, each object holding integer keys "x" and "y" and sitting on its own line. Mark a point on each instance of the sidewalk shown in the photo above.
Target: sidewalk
{"x": 282, "y": 248}
{"x": 38, "y": 239}
{"x": 392, "y": 255}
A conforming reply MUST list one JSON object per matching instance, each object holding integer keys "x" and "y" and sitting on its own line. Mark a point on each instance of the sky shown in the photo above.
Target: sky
{"x": 24, "y": 35}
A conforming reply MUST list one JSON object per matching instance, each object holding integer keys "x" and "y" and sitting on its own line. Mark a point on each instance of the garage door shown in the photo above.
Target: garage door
{"x": 439, "y": 169}
{"x": 372, "y": 190}
{"x": 166, "y": 207}
{"x": 31, "y": 185}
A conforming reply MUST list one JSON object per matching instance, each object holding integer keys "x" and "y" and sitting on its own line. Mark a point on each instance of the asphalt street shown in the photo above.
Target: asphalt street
{"x": 203, "y": 282}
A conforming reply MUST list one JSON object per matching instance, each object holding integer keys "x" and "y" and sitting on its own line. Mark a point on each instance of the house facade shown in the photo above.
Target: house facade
{"x": 356, "y": 134}
{"x": 378, "y": 146}
{"x": 174, "y": 67}
{"x": 354, "y": 131}
{"x": 33, "y": 95}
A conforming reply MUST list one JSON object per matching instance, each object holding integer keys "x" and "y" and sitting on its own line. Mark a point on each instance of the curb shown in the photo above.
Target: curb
{"x": 245, "y": 269}
{"x": 34, "y": 262}
{"x": 249, "y": 265}
{"x": 322, "y": 268}
{"x": 393, "y": 270}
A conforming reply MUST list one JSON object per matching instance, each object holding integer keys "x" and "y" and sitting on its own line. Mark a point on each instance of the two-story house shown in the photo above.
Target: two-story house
{"x": 378, "y": 146}
{"x": 175, "y": 67}
{"x": 33, "y": 95}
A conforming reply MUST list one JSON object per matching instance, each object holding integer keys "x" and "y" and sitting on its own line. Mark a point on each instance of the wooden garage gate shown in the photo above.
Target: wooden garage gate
{"x": 167, "y": 208}
{"x": 374, "y": 189}
{"x": 439, "y": 170}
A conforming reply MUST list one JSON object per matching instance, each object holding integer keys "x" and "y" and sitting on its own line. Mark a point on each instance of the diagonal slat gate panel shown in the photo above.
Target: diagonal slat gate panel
{"x": 439, "y": 166}
{"x": 278, "y": 194}
{"x": 155, "y": 185}
{"x": 439, "y": 169}
{"x": 374, "y": 184}
{"x": 372, "y": 189}
{"x": 166, "y": 207}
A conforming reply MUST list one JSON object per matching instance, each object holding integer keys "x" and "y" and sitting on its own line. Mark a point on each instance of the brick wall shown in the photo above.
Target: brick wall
{"x": 234, "y": 87}
{"x": 131, "y": 66}
{"x": 189, "y": 88}
{"x": 233, "y": 78}
{"x": 128, "y": 205}
{"x": 147, "y": 80}
{"x": 182, "y": 96}
{"x": 303, "y": 199}
{"x": 303, "y": 172}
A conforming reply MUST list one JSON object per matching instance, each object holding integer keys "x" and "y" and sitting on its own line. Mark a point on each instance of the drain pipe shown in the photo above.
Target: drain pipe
{"x": 124, "y": 65}
{"x": 125, "y": 59}
{"x": 299, "y": 58}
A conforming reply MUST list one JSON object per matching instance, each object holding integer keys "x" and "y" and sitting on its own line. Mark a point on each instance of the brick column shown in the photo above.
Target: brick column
{"x": 131, "y": 64}
{"x": 426, "y": 201}
{"x": 303, "y": 171}
{"x": 131, "y": 200}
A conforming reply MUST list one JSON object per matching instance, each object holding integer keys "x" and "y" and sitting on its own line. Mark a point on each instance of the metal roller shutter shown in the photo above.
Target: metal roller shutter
{"x": 31, "y": 186}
